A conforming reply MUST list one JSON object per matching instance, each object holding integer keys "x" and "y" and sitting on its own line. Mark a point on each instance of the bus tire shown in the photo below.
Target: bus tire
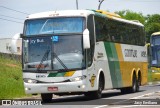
{"x": 46, "y": 97}
{"x": 124, "y": 90}
{"x": 134, "y": 86}
{"x": 98, "y": 93}
{"x": 138, "y": 83}
{"x": 131, "y": 89}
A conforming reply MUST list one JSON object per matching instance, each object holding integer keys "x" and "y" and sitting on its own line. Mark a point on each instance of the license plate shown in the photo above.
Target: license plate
{"x": 52, "y": 88}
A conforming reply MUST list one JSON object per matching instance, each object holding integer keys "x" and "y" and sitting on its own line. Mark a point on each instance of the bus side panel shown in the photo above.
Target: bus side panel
{"x": 101, "y": 64}
{"x": 135, "y": 59}
{"x": 114, "y": 64}
{"x": 123, "y": 60}
{"x": 118, "y": 62}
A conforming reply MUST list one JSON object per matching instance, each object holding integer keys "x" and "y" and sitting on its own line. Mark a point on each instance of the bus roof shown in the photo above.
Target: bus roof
{"x": 81, "y": 13}
{"x": 155, "y": 33}
{"x": 116, "y": 17}
{"x": 61, "y": 13}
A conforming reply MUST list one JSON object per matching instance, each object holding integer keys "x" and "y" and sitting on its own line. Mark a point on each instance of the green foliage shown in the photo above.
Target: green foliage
{"x": 11, "y": 84}
{"x": 151, "y": 22}
{"x": 130, "y": 15}
{"x": 153, "y": 18}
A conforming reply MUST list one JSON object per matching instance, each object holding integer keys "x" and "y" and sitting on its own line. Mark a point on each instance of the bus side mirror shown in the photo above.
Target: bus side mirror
{"x": 86, "y": 40}
{"x": 14, "y": 42}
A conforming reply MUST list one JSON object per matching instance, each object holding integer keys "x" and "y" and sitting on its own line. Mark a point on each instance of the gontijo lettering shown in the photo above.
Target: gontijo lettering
{"x": 130, "y": 53}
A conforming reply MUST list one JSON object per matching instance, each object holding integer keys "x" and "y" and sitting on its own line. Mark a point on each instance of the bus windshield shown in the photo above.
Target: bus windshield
{"x": 53, "y": 44}
{"x": 54, "y": 25}
{"x": 155, "y": 47}
{"x": 53, "y": 53}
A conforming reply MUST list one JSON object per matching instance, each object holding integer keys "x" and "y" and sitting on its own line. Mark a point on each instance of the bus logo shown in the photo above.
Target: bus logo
{"x": 40, "y": 76}
{"x": 92, "y": 80}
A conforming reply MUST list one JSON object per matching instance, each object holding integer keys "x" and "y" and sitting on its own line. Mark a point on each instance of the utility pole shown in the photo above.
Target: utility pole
{"x": 77, "y": 4}
{"x": 100, "y": 2}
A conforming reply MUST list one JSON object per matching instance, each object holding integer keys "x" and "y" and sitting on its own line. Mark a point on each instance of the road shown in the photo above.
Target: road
{"x": 149, "y": 96}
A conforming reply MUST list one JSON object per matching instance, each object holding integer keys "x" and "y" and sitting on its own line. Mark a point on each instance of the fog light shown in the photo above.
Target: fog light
{"x": 83, "y": 86}
{"x": 79, "y": 78}
{"x": 26, "y": 80}
{"x": 27, "y": 89}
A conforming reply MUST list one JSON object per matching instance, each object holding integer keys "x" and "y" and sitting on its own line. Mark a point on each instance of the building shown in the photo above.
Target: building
{"x": 5, "y": 46}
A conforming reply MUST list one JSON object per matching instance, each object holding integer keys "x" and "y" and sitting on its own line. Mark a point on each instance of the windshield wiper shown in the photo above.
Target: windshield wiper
{"x": 60, "y": 61}
{"x": 45, "y": 57}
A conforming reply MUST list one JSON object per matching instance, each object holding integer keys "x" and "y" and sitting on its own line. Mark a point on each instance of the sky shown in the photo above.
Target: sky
{"x": 14, "y": 12}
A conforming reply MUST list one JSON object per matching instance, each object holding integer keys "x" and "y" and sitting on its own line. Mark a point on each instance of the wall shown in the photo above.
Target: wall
{"x": 5, "y": 46}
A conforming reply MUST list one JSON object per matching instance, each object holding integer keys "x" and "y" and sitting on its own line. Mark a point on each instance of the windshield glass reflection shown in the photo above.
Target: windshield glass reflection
{"x": 53, "y": 53}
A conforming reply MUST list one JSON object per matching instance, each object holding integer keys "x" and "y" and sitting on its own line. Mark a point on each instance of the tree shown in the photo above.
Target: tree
{"x": 151, "y": 22}
{"x": 130, "y": 15}
{"x": 152, "y": 25}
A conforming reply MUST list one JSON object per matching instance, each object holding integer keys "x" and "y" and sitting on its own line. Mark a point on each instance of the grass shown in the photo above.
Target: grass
{"x": 149, "y": 75}
{"x": 11, "y": 84}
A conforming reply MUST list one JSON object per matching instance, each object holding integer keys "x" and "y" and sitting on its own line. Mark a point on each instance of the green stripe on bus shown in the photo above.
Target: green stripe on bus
{"x": 113, "y": 64}
{"x": 57, "y": 74}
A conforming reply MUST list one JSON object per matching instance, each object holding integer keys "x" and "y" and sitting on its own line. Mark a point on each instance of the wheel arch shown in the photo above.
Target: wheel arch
{"x": 132, "y": 73}
{"x": 138, "y": 72}
{"x": 101, "y": 74}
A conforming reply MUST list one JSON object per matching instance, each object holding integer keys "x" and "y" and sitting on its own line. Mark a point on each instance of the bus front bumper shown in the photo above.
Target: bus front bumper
{"x": 32, "y": 88}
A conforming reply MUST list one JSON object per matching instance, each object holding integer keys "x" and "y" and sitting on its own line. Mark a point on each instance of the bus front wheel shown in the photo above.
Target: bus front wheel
{"x": 46, "y": 97}
{"x": 98, "y": 93}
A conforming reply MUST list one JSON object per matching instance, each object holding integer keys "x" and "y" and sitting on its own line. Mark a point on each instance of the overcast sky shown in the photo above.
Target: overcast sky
{"x": 11, "y": 22}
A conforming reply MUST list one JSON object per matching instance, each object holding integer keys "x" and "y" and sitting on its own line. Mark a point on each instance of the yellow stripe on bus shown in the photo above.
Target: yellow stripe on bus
{"x": 68, "y": 74}
{"x": 121, "y": 63}
{"x": 119, "y": 52}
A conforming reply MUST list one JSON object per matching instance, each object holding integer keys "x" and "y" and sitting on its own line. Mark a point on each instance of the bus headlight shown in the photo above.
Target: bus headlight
{"x": 154, "y": 70}
{"x": 79, "y": 78}
{"x": 29, "y": 80}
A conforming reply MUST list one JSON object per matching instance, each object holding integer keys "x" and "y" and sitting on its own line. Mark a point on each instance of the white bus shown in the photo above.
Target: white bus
{"x": 82, "y": 52}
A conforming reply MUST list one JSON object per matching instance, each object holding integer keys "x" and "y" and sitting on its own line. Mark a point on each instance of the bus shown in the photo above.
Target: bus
{"x": 82, "y": 52}
{"x": 155, "y": 56}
